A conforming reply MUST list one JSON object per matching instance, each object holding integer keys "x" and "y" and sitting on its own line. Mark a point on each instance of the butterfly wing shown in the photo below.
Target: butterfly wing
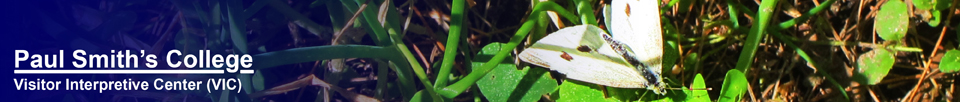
{"x": 639, "y": 27}
{"x": 637, "y": 23}
{"x": 581, "y": 53}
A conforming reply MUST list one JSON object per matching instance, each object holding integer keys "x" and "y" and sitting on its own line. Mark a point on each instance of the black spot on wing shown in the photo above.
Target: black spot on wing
{"x": 566, "y": 56}
{"x": 584, "y": 48}
{"x": 627, "y": 10}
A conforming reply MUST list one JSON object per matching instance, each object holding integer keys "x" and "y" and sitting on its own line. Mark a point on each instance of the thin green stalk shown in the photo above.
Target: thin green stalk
{"x": 389, "y": 36}
{"x": 237, "y": 26}
{"x": 552, "y": 6}
{"x": 789, "y": 23}
{"x": 734, "y": 13}
{"x": 390, "y": 24}
{"x": 337, "y": 18}
{"x": 392, "y": 19}
{"x": 238, "y": 35}
{"x": 386, "y": 34}
{"x": 382, "y": 74}
{"x": 756, "y": 33}
{"x": 540, "y": 30}
{"x": 453, "y": 41}
{"x": 370, "y": 15}
{"x": 417, "y": 69}
{"x": 542, "y": 22}
{"x": 585, "y": 9}
{"x": 456, "y": 88}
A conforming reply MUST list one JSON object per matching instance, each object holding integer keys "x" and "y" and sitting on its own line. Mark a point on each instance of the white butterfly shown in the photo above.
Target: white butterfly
{"x": 630, "y": 58}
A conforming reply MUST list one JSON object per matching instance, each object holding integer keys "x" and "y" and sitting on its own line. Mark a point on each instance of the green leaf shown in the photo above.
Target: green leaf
{"x": 950, "y": 62}
{"x": 685, "y": 95}
{"x": 934, "y": 21}
{"x": 690, "y": 63}
{"x": 892, "y": 20}
{"x": 924, "y": 4}
{"x": 507, "y": 84}
{"x": 873, "y": 66}
{"x": 684, "y": 5}
{"x": 932, "y": 4}
{"x": 734, "y": 84}
{"x": 942, "y": 4}
{"x": 697, "y": 95}
{"x": 578, "y": 91}
{"x": 258, "y": 83}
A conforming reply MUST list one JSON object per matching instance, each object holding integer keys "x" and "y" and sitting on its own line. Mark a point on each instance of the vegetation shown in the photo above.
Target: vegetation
{"x": 463, "y": 50}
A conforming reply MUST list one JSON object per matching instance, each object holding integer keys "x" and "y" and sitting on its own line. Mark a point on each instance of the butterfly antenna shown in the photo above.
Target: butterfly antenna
{"x": 690, "y": 88}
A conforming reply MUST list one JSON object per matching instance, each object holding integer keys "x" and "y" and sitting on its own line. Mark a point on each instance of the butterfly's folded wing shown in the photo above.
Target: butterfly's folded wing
{"x": 580, "y": 53}
{"x": 637, "y": 24}
{"x": 587, "y": 69}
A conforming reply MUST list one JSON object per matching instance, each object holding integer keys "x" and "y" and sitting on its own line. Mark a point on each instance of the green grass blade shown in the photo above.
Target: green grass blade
{"x": 237, "y": 25}
{"x": 387, "y": 35}
{"x": 453, "y": 42}
{"x": 382, "y": 74}
{"x": 585, "y": 9}
{"x": 756, "y": 33}
{"x": 409, "y": 60}
{"x": 734, "y": 13}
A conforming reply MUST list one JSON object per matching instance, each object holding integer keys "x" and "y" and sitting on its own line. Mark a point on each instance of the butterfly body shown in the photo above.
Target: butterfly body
{"x": 630, "y": 58}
